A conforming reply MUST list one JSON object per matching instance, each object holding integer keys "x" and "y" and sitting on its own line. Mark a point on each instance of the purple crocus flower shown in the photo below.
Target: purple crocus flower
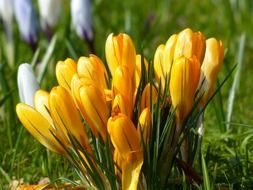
{"x": 81, "y": 18}
{"x": 27, "y": 21}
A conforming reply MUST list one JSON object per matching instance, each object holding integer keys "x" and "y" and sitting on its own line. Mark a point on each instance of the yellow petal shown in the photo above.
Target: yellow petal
{"x": 144, "y": 125}
{"x": 122, "y": 84}
{"x": 64, "y": 72}
{"x": 39, "y": 127}
{"x": 210, "y": 67}
{"x": 119, "y": 106}
{"x": 92, "y": 68}
{"x": 145, "y": 97}
{"x": 119, "y": 50}
{"x": 159, "y": 65}
{"x": 138, "y": 69}
{"x": 131, "y": 171}
{"x": 42, "y": 106}
{"x": 66, "y": 116}
{"x": 183, "y": 83}
{"x": 123, "y": 135}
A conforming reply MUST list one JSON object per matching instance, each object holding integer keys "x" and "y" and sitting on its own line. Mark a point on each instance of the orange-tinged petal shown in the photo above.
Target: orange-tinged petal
{"x": 120, "y": 50}
{"x": 64, "y": 72}
{"x": 92, "y": 68}
{"x": 144, "y": 125}
{"x": 66, "y": 116}
{"x": 123, "y": 134}
{"x": 183, "y": 83}
{"x": 145, "y": 97}
{"x": 42, "y": 106}
{"x": 95, "y": 108}
{"x": 122, "y": 84}
{"x": 190, "y": 44}
{"x": 39, "y": 127}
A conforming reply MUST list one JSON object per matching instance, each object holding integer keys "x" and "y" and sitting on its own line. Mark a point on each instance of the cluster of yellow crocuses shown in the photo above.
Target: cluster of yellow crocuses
{"x": 88, "y": 97}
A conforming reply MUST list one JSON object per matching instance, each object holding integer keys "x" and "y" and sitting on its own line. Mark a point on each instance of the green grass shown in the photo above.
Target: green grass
{"x": 227, "y": 155}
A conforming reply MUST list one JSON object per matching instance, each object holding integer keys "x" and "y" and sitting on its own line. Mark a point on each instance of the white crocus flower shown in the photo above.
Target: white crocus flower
{"x": 27, "y": 21}
{"x": 50, "y": 11}
{"x": 81, "y": 18}
{"x": 27, "y": 84}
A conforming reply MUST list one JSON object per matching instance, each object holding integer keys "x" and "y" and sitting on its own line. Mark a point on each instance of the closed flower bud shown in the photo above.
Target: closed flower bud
{"x": 119, "y": 106}
{"x": 138, "y": 68}
{"x": 6, "y": 13}
{"x": 64, "y": 72}
{"x": 27, "y": 84}
{"x": 66, "y": 116}
{"x": 145, "y": 97}
{"x": 120, "y": 50}
{"x": 93, "y": 69}
{"x": 144, "y": 125}
{"x": 39, "y": 127}
{"x": 190, "y": 44}
{"x": 91, "y": 102}
{"x": 122, "y": 84}
{"x": 184, "y": 80}
{"x": 81, "y": 18}
{"x": 50, "y": 11}
{"x": 27, "y": 21}
{"x": 125, "y": 139}
{"x": 210, "y": 68}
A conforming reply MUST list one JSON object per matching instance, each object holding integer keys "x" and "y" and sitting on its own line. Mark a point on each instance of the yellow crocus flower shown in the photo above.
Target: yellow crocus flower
{"x": 138, "y": 69}
{"x": 145, "y": 97}
{"x": 66, "y": 116}
{"x": 184, "y": 80}
{"x": 120, "y": 50}
{"x": 122, "y": 84}
{"x": 65, "y": 71}
{"x": 210, "y": 68}
{"x": 144, "y": 125}
{"x": 125, "y": 139}
{"x": 93, "y": 68}
{"x": 39, "y": 127}
{"x": 92, "y": 103}
{"x": 119, "y": 106}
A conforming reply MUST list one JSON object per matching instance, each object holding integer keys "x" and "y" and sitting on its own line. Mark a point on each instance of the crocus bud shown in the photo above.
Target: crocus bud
{"x": 190, "y": 44}
{"x": 39, "y": 127}
{"x": 93, "y": 69}
{"x": 120, "y": 50}
{"x": 144, "y": 125}
{"x": 66, "y": 116}
{"x": 184, "y": 80}
{"x": 27, "y": 21}
{"x": 65, "y": 71}
{"x": 81, "y": 18}
{"x": 122, "y": 84}
{"x": 125, "y": 139}
{"x": 91, "y": 102}
{"x": 138, "y": 68}
{"x": 50, "y": 11}
{"x": 159, "y": 65}
{"x": 27, "y": 84}
{"x": 145, "y": 97}
{"x": 210, "y": 68}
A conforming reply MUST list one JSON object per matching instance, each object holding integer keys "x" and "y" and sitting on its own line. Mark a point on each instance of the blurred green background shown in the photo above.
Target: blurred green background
{"x": 228, "y": 146}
